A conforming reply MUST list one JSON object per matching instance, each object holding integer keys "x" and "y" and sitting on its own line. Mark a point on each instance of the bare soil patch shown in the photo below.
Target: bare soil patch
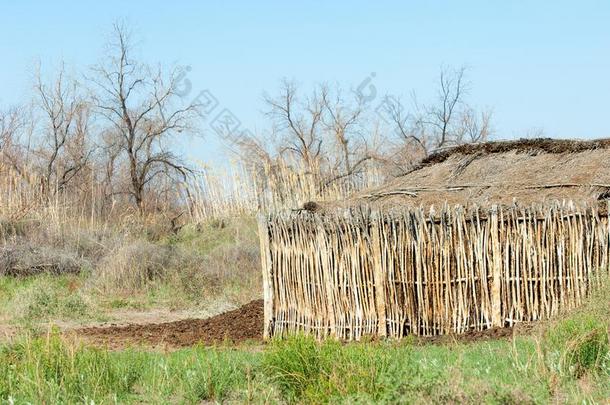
{"x": 237, "y": 326}
{"x": 241, "y": 325}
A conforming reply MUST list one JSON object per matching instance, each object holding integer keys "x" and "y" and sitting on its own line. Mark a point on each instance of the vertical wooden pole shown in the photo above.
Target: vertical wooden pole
{"x": 496, "y": 257}
{"x": 327, "y": 249}
{"x": 607, "y": 243}
{"x": 380, "y": 273}
{"x": 266, "y": 265}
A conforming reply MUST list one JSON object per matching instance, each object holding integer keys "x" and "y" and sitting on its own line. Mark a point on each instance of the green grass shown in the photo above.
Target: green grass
{"x": 51, "y": 371}
{"x": 45, "y": 297}
{"x": 564, "y": 360}
{"x": 401, "y": 373}
{"x": 300, "y": 370}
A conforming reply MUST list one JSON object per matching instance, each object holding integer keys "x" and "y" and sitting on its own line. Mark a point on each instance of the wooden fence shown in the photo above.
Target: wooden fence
{"x": 353, "y": 273}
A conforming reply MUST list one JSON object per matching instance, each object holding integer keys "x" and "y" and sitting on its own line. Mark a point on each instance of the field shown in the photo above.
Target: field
{"x": 287, "y": 204}
{"x": 77, "y": 337}
{"x": 80, "y": 275}
{"x": 563, "y": 362}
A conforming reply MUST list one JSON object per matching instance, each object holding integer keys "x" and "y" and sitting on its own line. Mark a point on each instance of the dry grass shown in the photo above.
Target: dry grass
{"x": 241, "y": 189}
{"x": 271, "y": 186}
{"x": 133, "y": 266}
{"x": 74, "y": 271}
{"x": 97, "y": 262}
{"x": 181, "y": 253}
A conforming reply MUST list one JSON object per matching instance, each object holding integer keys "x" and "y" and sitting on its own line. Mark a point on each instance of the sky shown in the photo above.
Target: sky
{"x": 538, "y": 65}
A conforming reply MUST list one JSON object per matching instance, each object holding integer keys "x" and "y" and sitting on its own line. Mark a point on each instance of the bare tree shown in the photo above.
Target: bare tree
{"x": 300, "y": 122}
{"x": 141, "y": 106}
{"x": 447, "y": 121}
{"x": 110, "y": 152}
{"x": 65, "y": 149}
{"x": 342, "y": 121}
{"x": 320, "y": 136}
{"x": 409, "y": 129}
{"x": 11, "y": 125}
{"x": 533, "y": 133}
{"x": 474, "y": 128}
{"x": 441, "y": 116}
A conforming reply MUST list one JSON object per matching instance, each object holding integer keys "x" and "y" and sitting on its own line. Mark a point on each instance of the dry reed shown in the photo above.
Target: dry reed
{"x": 239, "y": 189}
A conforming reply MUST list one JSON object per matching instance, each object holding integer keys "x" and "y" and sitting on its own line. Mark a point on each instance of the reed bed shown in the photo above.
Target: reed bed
{"x": 244, "y": 188}
{"x": 358, "y": 272}
{"x": 210, "y": 193}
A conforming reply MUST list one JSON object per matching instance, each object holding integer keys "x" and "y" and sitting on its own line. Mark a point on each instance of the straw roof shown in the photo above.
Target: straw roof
{"x": 532, "y": 171}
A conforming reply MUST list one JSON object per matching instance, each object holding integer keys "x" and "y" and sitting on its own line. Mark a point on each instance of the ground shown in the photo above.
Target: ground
{"x": 236, "y": 326}
{"x": 223, "y": 359}
{"x": 164, "y": 334}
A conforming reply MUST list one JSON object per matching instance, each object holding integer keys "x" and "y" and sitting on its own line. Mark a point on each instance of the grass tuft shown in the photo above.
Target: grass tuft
{"x": 578, "y": 344}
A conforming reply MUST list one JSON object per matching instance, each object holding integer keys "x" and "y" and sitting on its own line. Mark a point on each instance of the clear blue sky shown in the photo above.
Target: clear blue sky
{"x": 538, "y": 64}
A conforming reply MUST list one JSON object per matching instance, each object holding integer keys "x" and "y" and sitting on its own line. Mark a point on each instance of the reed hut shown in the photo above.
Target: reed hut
{"x": 476, "y": 236}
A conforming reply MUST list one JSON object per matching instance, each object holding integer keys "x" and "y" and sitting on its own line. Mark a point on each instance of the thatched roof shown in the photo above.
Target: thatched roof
{"x": 527, "y": 172}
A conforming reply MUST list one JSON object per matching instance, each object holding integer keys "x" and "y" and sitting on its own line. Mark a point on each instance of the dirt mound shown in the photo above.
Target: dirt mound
{"x": 240, "y": 325}
{"x": 529, "y": 146}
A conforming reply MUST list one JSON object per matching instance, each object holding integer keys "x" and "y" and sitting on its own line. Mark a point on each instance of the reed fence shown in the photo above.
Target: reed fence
{"x": 359, "y": 272}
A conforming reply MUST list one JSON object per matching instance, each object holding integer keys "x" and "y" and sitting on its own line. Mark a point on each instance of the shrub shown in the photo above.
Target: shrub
{"x": 577, "y": 345}
{"x": 24, "y": 259}
{"x": 92, "y": 244}
{"x": 307, "y": 371}
{"x": 294, "y": 364}
{"x": 46, "y": 299}
{"x": 133, "y": 266}
{"x": 16, "y": 228}
{"x": 587, "y": 352}
{"x": 141, "y": 264}
{"x": 232, "y": 260}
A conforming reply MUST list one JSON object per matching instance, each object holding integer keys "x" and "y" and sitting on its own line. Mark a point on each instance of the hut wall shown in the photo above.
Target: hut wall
{"x": 353, "y": 273}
